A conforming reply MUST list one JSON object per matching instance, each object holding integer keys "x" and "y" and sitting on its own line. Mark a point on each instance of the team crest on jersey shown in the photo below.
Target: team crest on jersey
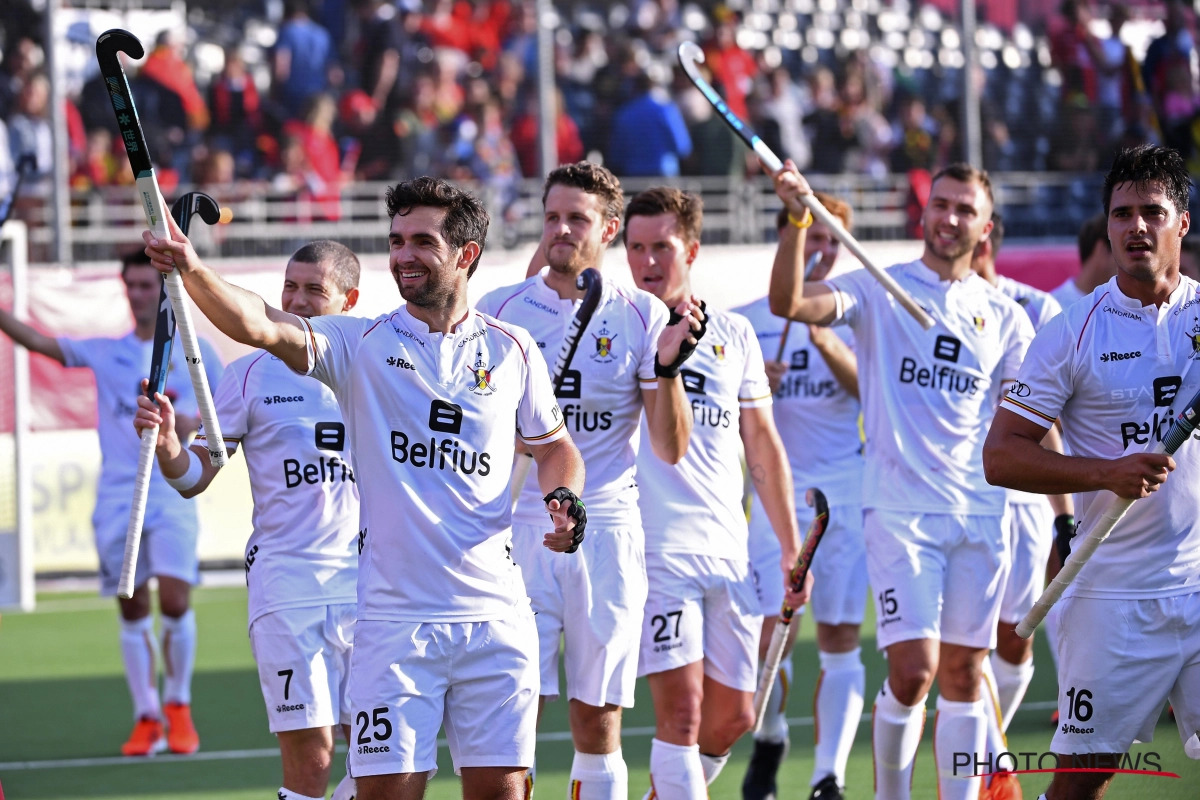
{"x": 719, "y": 351}
{"x": 604, "y": 344}
{"x": 481, "y": 383}
{"x": 1194, "y": 335}
{"x": 979, "y": 323}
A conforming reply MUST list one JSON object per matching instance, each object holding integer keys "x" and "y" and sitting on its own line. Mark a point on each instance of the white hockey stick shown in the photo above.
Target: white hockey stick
{"x": 1113, "y": 510}
{"x": 690, "y": 55}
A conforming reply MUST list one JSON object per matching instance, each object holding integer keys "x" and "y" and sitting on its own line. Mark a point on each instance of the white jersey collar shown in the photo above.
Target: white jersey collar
{"x": 402, "y": 316}
{"x": 972, "y": 282}
{"x": 1121, "y": 299}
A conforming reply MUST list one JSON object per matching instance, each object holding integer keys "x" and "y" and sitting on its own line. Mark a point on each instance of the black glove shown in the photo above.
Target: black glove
{"x": 1064, "y": 531}
{"x": 686, "y": 348}
{"x": 575, "y": 510}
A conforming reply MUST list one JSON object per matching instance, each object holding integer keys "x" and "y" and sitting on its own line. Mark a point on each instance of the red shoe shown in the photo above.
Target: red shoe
{"x": 1054, "y": 718}
{"x": 146, "y": 740}
{"x": 181, "y": 733}
{"x": 1005, "y": 786}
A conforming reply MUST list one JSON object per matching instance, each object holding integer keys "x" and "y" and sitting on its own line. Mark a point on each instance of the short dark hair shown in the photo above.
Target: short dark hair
{"x": 834, "y": 205}
{"x": 135, "y": 258}
{"x": 1091, "y": 233}
{"x": 963, "y": 172}
{"x": 688, "y": 209}
{"x": 593, "y": 179}
{"x": 346, "y": 269}
{"x": 1150, "y": 162}
{"x": 466, "y": 219}
{"x": 996, "y": 237}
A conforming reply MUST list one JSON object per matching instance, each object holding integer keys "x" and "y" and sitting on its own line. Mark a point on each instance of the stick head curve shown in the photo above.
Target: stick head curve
{"x": 116, "y": 41}
{"x": 690, "y": 55}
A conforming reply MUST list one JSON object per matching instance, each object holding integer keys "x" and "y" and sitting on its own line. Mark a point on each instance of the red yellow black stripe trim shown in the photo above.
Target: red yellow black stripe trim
{"x": 1030, "y": 409}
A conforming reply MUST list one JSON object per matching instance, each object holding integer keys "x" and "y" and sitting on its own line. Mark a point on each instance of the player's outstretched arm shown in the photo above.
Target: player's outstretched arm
{"x": 789, "y": 296}
{"x": 241, "y": 315}
{"x": 174, "y": 461}
{"x": 30, "y": 337}
{"x": 536, "y": 261}
{"x": 768, "y": 466}
{"x": 560, "y": 466}
{"x": 1013, "y": 457}
{"x": 838, "y": 356}
{"x": 668, "y": 412}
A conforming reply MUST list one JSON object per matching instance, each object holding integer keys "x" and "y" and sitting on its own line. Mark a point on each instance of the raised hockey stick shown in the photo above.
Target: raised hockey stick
{"x": 787, "y": 326}
{"x": 1112, "y": 511}
{"x": 690, "y": 55}
{"x": 779, "y": 634}
{"x": 592, "y": 285}
{"x": 108, "y": 46}
{"x": 160, "y": 362}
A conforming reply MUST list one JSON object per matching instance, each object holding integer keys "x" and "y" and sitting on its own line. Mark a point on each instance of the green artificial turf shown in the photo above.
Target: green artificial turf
{"x": 63, "y": 696}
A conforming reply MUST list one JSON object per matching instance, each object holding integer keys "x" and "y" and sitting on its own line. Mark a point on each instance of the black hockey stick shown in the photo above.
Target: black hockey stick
{"x": 160, "y": 364}
{"x": 690, "y": 55}
{"x": 562, "y": 377}
{"x": 108, "y": 46}
{"x": 779, "y": 634}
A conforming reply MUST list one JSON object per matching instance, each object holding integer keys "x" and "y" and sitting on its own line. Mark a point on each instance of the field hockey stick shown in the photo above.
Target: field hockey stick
{"x": 160, "y": 362}
{"x": 108, "y": 46}
{"x": 690, "y": 55}
{"x": 787, "y": 326}
{"x": 592, "y": 285}
{"x": 779, "y": 634}
{"x": 1113, "y": 510}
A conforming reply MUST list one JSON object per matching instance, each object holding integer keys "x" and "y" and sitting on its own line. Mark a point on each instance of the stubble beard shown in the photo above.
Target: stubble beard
{"x": 583, "y": 256}
{"x": 949, "y": 252}
{"x": 432, "y": 295}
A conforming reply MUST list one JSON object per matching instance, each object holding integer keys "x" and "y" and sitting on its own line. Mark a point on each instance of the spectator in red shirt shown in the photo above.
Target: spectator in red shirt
{"x": 526, "y": 138}
{"x": 315, "y": 135}
{"x": 732, "y": 66}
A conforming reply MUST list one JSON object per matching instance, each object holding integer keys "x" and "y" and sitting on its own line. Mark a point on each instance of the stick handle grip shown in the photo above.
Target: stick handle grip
{"x": 137, "y": 513}
{"x": 155, "y": 209}
{"x": 1114, "y": 510}
{"x": 844, "y": 236}
{"x": 522, "y": 465}
{"x": 770, "y": 670}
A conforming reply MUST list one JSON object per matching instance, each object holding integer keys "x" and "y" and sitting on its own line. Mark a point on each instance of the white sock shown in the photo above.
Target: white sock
{"x": 345, "y": 790}
{"x": 599, "y": 777}
{"x": 530, "y": 780}
{"x": 995, "y": 741}
{"x": 288, "y": 794}
{"x": 1012, "y": 681}
{"x": 179, "y": 656}
{"x": 837, "y": 708}
{"x": 895, "y": 735}
{"x": 775, "y": 728}
{"x": 962, "y": 728}
{"x": 139, "y": 651}
{"x": 676, "y": 772}
{"x": 712, "y": 766}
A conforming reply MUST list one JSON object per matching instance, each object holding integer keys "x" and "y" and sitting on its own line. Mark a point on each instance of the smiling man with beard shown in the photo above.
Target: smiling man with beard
{"x": 590, "y": 607}
{"x": 433, "y": 395}
{"x": 936, "y": 552}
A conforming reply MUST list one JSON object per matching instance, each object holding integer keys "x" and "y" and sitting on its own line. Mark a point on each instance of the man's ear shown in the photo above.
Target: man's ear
{"x": 351, "y": 300}
{"x": 466, "y": 257}
{"x": 612, "y": 227}
{"x": 692, "y": 251}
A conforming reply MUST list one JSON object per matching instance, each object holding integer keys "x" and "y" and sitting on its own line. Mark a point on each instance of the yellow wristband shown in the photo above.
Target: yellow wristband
{"x": 801, "y": 223}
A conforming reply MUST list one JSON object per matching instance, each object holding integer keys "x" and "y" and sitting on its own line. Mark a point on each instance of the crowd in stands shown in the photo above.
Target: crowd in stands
{"x": 372, "y": 90}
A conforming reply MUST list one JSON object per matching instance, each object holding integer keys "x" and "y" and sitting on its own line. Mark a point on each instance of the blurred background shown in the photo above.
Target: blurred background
{"x": 298, "y": 112}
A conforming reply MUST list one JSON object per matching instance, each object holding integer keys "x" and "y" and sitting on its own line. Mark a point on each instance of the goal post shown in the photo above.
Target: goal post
{"x": 16, "y": 507}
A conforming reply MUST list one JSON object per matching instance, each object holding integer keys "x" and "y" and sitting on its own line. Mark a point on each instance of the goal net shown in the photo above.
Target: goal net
{"x": 16, "y": 523}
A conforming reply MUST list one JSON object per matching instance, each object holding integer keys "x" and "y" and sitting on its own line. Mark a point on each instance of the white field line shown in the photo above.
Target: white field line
{"x": 273, "y": 752}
